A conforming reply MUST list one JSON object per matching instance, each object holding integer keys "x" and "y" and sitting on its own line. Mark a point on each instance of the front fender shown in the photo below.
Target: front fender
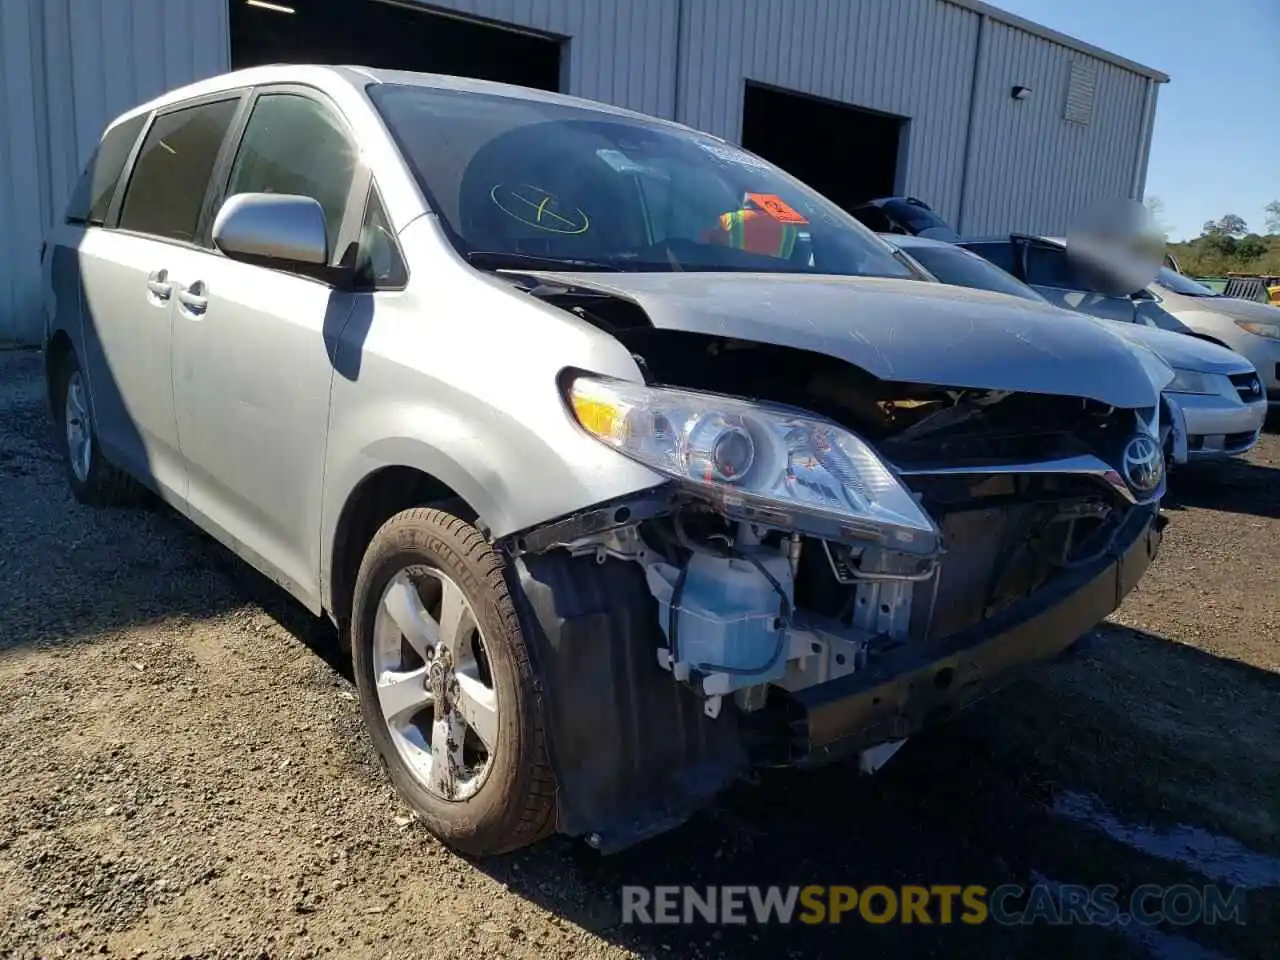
{"x": 457, "y": 377}
{"x": 513, "y": 478}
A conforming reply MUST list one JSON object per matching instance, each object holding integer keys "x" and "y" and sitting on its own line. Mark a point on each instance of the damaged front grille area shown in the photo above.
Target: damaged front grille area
{"x": 749, "y": 615}
{"x": 993, "y": 428}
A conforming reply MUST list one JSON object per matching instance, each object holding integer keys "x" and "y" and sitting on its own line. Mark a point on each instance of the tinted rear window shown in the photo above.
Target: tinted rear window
{"x": 92, "y": 195}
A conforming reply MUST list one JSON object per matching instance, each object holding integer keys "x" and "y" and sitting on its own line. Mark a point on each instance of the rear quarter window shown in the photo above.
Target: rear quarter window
{"x": 92, "y": 195}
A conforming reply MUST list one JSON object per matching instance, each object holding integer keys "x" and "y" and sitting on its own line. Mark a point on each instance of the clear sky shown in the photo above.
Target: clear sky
{"x": 1216, "y": 147}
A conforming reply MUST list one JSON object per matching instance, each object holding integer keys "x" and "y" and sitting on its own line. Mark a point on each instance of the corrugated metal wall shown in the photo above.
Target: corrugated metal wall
{"x": 620, "y": 51}
{"x": 66, "y": 68}
{"x": 1031, "y": 168}
{"x": 913, "y": 58}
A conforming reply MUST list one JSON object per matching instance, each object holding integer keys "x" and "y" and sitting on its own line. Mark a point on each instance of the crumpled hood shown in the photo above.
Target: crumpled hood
{"x": 1182, "y": 351}
{"x": 903, "y": 330}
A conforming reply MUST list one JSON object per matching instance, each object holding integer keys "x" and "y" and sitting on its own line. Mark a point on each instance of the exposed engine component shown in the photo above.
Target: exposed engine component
{"x": 745, "y": 609}
{"x": 727, "y": 608}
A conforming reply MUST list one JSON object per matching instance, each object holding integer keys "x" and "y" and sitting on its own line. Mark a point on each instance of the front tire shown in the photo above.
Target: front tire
{"x": 446, "y": 686}
{"x": 94, "y": 480}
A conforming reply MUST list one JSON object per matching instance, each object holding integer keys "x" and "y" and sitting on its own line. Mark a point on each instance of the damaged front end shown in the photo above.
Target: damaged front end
{"x": 827, "y": 571}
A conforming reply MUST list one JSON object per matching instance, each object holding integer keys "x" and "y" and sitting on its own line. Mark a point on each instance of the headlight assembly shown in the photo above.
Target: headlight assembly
{"x": 1154, "y": 366}
{"x": 757, "y": 461}
{"x": 1191, "y": 381}
{"x": 1268, "y": 330}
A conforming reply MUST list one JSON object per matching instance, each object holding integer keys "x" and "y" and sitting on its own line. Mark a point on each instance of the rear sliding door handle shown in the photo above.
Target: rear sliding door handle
{"x": 159, "y": 286}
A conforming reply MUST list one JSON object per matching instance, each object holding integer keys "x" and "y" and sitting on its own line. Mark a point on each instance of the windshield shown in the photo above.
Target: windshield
{"x": 1176, "y": 282}
{"x": 521, "y": 182}
{"x": 961, "y": 268}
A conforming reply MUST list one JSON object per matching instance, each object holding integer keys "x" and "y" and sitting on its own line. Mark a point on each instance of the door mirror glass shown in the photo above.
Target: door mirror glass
{"x": 277, "y": 228}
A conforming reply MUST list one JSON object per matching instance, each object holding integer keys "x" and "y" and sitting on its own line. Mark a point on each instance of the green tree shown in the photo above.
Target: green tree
{"x": 1250, "y": 247}
{"x": 1231, "y": 225}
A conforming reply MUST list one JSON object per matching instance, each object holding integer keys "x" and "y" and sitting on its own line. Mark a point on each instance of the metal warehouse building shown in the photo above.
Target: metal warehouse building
{"x": 996, "y": 122}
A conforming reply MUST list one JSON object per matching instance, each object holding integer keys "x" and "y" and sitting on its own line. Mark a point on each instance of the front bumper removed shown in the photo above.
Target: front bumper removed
{"x": 903, "y": 691}
{"x": 635, "y": 754}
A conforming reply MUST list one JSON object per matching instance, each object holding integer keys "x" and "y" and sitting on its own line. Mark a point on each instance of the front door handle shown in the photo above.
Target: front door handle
{"x": 193, "y": 299}
{"x": 159, "y": 287}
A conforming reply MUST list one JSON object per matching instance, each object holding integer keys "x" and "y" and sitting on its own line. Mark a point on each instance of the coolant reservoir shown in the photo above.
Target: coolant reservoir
{"x": 728, "y": 625}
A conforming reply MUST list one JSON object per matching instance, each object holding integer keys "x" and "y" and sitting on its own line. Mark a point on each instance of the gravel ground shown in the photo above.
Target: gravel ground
{"x": 183, "y": 771}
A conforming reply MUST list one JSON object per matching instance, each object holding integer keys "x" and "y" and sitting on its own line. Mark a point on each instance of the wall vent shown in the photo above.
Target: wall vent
{"x": 1081, "y": 83}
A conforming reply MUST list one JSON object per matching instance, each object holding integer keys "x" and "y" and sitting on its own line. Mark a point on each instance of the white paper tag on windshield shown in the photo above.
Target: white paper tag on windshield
{"x": 731, "y": 154}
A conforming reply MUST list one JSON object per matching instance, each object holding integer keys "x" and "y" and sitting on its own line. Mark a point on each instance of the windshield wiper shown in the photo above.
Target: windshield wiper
{"x": 501, "y": 259}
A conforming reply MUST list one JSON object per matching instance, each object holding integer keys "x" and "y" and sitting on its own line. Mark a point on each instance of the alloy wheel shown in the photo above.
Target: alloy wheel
{"x": 434, "y": 683}
{"x": 79, "y": 434}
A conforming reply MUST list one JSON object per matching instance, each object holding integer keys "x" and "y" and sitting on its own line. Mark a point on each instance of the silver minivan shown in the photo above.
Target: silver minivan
{"x": 1249, "y": 328}
{"x": 624, "y": 462}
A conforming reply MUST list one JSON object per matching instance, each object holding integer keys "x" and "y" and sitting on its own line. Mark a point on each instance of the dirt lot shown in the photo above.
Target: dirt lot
{"x": 183, "y": 773}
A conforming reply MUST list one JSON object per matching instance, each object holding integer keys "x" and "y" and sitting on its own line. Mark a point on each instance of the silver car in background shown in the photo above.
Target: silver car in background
{"x": 624, "y": 462}
{"x": 1249, "y": 328}
{"x": 1217, "y": 400}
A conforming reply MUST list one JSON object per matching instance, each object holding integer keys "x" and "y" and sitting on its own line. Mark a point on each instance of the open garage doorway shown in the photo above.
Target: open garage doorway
{"x": 378, "y": 33}
{"x": 847, "y": 154}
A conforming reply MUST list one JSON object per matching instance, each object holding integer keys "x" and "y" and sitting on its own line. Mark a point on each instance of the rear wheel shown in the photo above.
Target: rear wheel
{"x": 446, "y": 687}
{"x": 94, "y": 480}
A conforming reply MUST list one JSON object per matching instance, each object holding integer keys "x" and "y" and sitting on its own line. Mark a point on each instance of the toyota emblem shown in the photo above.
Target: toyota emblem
{"x": 1142, "y": 463}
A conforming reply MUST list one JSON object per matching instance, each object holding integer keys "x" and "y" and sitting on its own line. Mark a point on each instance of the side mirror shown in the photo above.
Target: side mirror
{"x": 273, "y": 227}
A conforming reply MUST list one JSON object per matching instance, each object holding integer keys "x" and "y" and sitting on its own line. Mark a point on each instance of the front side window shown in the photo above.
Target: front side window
{"x": 92, "y": 195}
{"x": 295, "y": 145}
{"x": 1049, "y": 267}
{"x": 519, "y": 179}
{"x": 167, "y": 189}
{"x": 379, "y": 265}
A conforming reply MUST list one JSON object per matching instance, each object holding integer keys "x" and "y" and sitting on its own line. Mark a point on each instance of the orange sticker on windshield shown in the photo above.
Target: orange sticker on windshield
{"x": 776, "y": 207}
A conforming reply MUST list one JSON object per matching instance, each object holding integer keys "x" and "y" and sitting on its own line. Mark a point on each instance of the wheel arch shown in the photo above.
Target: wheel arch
{"x": 377, "y": 489}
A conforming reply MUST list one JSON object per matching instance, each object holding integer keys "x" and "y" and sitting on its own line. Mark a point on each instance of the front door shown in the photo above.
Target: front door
{"x": 251, "y": 370}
